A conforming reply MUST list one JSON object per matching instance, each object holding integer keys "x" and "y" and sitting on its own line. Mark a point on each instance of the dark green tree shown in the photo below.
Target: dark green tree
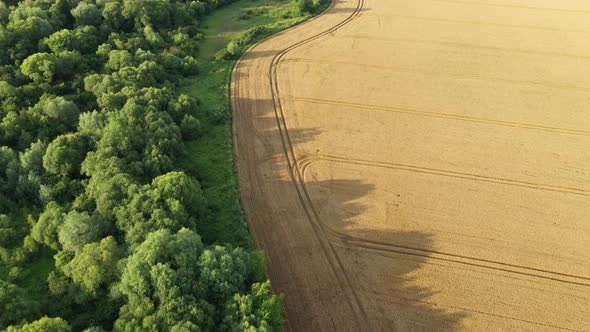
{"x": 15, "y": 307}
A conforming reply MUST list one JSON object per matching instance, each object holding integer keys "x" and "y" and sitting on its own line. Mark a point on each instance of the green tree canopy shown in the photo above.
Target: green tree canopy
{"x": 87, "y": 13}
{"x": 14, "y": 305}
{"x": 172, "y": 201}
{"x": 160, "y": 281}
{"x": 65, "y": 154}
{"x": 83, "y": 39}
{"x": 46, "y": 228}
{"x": 42, "y": 67}
{"x": 44, "y": 324}
{"x": 95, "y": 265}
{"x": 79, "y": 229}
{"x": 257, "y": 311}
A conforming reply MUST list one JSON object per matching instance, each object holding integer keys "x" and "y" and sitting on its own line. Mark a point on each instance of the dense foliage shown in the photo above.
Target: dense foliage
{"x": 92, "y": 131}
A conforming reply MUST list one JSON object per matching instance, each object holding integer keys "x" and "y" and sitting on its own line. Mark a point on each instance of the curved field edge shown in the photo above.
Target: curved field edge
{"x": 227, "y": 35}
{"x": 319, "y": 296}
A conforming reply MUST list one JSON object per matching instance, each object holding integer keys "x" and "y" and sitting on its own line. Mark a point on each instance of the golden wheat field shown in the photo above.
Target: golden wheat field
{"x": 422, "y": 165}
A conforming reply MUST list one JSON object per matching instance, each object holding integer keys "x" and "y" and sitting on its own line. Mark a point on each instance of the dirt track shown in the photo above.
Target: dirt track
{"x": 422, "y": 165}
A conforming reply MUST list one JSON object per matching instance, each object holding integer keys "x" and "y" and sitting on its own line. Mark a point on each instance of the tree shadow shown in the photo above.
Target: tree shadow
{"x": 332, "y": 279}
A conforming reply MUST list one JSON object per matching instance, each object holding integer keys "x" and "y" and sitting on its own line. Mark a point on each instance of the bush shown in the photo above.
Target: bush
{"x": 190, "y": 127}
{"x": 305, "y": 6}
{"x": 219, "y": 115}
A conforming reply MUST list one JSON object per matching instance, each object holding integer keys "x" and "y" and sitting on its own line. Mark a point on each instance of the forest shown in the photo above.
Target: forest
{"x": 103, "y": 226}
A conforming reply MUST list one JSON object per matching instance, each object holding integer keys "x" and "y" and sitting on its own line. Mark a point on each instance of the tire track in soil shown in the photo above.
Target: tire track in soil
{"x": 323, "y": 232}
{"x": 297, "y": 178}
{"x": 343, "y": 238}
{"x": 454, "y": 174}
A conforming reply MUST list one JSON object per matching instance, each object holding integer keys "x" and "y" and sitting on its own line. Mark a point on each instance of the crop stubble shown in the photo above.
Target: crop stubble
{"x": 422, "y": 165}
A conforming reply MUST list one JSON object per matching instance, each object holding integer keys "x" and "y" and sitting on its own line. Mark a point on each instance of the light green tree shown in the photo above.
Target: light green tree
{"x": 41, "y": 67}
{"x": 46, "y": 228}
{"x": 44, "y": 324}
{"x": 95, "y": 265}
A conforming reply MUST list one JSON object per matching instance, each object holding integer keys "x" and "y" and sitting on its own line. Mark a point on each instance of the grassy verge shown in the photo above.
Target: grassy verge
{"x": 26, "y": 266}
{"x": 34, "y": 277}
{"x": 227, "y": 33}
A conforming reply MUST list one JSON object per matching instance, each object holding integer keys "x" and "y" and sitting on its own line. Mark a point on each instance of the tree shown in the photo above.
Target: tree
{"x": 46, "y": 228}
{"x": 65, "y": 154}
{"x": 61, "y": 110}
{"x": 92, "y": 123}
{"x": 190, "y": 127}
{"x": 9, "y": 165}
{"x": 223, "y": 272}
{"x": 10, "y": 233}
{"x": 160, "y": 285}
{"x": 113, "y": 17}
{"x": 41, "y": 67}
{"x": 61, "y": 40}
{"x": 83, "y": 39}
{"x": 119, "y": 59}
{"x": 14, "y": 305}
{"x": 87, "y": 13}
{"x": 44, "y": 324}
{"x": 79, "y": 229}
{"x": 27, "y": 25}
{"x": 172, "y": 201}
{"x": 110, "y": 193}
{"x": 153, "y": 37}
{"x": 145, "y": 139}
{"x": 70, "y": 73}
{"x": 50, "y": 117}
{"x": 149, "y": 73}
{"x": 4, "y": 12}
{"x": 31, "y": 173}
{"x": 148, "y": 12}
{"x": 95, "y": 265}
{"x": 61, "y": 189}
{"x": 95, "y": 329}
{"x": 305, "y": 6}
{"x": 258, "y": 310}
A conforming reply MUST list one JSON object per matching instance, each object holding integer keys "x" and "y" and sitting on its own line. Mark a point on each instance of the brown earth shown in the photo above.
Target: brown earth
{"x": 422, "y": 165}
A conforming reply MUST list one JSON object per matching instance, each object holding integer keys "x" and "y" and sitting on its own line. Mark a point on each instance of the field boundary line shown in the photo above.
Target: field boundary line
{"x": 416, "y": 251}
{"x": 460, "y": 259}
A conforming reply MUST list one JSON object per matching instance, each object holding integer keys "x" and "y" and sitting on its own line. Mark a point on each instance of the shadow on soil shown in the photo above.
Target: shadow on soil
{"x": 329, "y": 282}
